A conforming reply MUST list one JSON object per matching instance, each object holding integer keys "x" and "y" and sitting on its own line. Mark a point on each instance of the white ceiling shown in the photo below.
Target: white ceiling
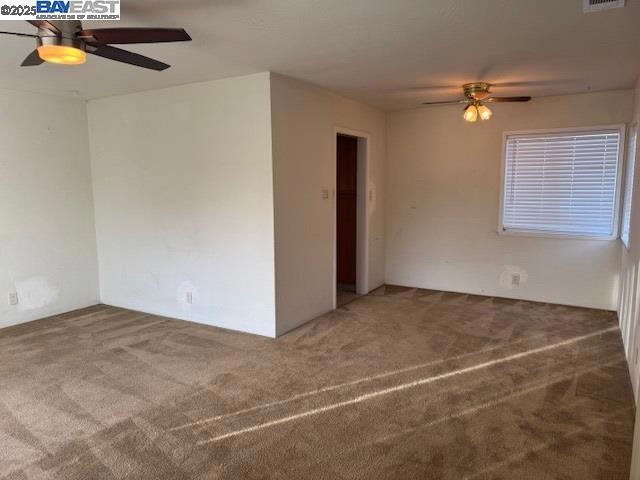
{"x": 389, "y": 53}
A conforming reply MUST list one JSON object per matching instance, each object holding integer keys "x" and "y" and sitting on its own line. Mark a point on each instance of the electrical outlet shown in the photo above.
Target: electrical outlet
{"x": 13, "y": 298}
{"x": 189, "y": 298}
{"x": 324, "y": 193}
{"x": 515, "y": 279}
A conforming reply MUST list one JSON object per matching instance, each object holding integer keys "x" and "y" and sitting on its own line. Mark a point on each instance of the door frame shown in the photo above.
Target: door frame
{"x": 362, "y": 215}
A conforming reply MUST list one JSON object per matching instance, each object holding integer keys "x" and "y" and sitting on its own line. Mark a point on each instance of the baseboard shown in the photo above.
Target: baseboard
{"x": 513, "y": 297}
{"x": 52, "y": 313}
{"x": 174, "y": 315}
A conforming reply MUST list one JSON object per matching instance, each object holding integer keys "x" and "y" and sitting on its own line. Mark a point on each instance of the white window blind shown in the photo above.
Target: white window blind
{"x": 628, "y": 184}
{"x": 561, "y": 183}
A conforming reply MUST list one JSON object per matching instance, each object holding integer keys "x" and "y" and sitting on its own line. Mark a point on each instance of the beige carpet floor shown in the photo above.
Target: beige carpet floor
{"x": 399, "y": 384}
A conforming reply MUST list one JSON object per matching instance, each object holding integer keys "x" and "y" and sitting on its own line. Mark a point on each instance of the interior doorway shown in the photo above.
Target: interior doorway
{"x": 351, "y": 194}
{"x": 346, "y": 212}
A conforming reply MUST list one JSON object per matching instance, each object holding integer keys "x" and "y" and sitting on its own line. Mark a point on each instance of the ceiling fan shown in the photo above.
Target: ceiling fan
{"x": 476, "y": 95}
{"x": 66, "y": 42}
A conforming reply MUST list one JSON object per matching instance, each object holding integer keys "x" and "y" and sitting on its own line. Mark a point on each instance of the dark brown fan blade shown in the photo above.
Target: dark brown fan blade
{"x": 119, "y": 55}
{"x": 507, "y": 99}
{"x": 19, "y": 34}
{"x": 32, "y": 60}
{"x": 45, "y": 25}
{"x": 135, "y": 35}
{"x": 447, "y": 102}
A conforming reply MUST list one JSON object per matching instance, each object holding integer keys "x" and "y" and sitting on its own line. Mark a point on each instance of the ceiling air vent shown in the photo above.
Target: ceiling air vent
{"x": 599, "y": 5}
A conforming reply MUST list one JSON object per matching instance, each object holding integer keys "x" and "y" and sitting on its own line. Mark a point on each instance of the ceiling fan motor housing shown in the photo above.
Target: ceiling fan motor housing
{"x": 67, "y": 38}
{"x": 62, "y": 41}
{"x": 476, "y": 90}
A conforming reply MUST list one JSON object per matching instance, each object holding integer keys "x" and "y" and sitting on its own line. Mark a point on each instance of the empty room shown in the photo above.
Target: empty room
{"x": 298, "y": 239}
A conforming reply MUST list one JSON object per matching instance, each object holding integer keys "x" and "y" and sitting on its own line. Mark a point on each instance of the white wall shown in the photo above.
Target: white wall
{"x": 443, "y": 189}
{"x": 47, "y": 233}
{"x": 629, "y": 308}
{"x": 304, "y": 120}
{"x": 184, "y": 202}
{"x": 186, "y": 193}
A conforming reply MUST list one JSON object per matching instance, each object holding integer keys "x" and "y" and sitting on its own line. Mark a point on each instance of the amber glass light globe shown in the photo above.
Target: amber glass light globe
{"x": 470, "y": 113}
{"x": 62, "y": 54}
{"x": 485, "y": 112}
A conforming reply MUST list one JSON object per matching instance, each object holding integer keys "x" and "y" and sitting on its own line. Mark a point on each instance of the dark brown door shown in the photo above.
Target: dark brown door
{"x": 347, "y": 205}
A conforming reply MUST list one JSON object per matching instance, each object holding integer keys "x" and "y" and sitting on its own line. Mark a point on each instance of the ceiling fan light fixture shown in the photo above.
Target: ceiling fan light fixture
{"x": 62, "y": 54}
{"x": 484, "y": 112}
{"x": 476, "y": 95}
{"x": 470, "y": 113}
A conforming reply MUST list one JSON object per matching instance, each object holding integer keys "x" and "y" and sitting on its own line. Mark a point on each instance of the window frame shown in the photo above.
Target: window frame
{"x": 621, "y": 128}
{"x": 629, "y": 165}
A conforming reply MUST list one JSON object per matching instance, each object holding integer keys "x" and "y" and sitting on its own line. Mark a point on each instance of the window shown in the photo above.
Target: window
{"x": 628, "y": 184}
{"x": 562, "y": 182}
